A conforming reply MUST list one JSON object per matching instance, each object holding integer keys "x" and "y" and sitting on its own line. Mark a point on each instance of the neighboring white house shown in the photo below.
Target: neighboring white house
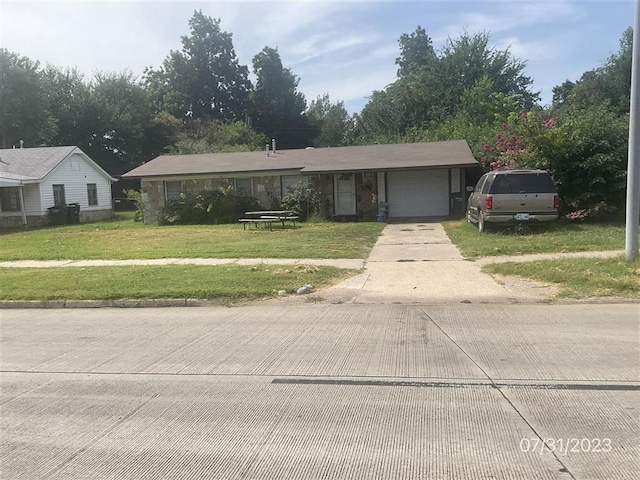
{"x": 34, "y": 179}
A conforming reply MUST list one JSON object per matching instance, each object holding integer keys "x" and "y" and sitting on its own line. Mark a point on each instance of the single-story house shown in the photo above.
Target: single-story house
{"x": 406, "y": 180}
{"x": 32, "y": 180}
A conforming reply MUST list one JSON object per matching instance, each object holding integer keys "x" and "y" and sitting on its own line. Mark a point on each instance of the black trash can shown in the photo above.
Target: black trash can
{"x": 57, "y": 215}
{"x": 73, "y": 213}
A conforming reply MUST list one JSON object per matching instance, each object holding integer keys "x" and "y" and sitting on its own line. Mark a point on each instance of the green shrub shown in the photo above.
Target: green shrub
{"x": 222, "y": 205}
{"x": 136, "y": 197}
{"x": 303, "y": 199}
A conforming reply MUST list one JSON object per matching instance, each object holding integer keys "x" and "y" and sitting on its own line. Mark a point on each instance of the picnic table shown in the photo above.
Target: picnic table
{"x": 267, "y": 217}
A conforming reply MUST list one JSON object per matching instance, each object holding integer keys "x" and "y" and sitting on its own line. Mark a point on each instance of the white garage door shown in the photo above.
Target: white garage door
{"x": 418, "y": 193}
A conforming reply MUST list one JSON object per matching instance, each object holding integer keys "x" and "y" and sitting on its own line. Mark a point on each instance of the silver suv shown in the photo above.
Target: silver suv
{"x": 512, "y": 197}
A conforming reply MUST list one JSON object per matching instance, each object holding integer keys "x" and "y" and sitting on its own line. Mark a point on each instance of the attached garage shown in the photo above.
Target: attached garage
{"x": 418, "y": 193}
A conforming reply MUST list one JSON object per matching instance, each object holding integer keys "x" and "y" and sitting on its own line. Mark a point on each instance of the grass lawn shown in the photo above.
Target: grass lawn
{"x": 122, "y": 238}
{"x": 559, "y": 237}
{"x": 579, "y": 277}
{"x": 227, "y": 283}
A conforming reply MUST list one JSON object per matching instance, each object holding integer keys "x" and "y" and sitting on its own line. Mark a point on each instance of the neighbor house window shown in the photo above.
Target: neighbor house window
{"x": 92, "y": 193}
{"x": 58, "y": 195}
{"x": 10, "y": 199}
{"x": 172, "y": 191}
{"x": 243, "y": 187}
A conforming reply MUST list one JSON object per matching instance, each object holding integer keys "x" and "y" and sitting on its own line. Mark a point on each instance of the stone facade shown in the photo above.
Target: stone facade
{"x": 266, "y": 189}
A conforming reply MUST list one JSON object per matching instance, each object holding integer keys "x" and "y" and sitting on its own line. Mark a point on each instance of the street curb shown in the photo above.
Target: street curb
{"x": 116, "y": 303}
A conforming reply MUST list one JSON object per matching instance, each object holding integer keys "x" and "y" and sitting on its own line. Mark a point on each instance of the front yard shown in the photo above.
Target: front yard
{"x": 574, "y": 277}
{"x": 224, "y": 283}
{"x": 557, "y": 238}
{"x": 579, "y": 277}
{"x": 122, "y": 239}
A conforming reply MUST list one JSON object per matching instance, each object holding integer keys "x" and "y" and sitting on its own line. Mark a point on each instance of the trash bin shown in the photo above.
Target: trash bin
{"x": 73, "y": 213}
{"x": 57, "y": 215}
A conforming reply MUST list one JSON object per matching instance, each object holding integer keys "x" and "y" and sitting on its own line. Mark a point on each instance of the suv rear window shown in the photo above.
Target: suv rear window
{"x": 523, "y": 183}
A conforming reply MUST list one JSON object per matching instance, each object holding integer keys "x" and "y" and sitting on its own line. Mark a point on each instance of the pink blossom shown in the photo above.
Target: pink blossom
{"x": 524, "y": 116}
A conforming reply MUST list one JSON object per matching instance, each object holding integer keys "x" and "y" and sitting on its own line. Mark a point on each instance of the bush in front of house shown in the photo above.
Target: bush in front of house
{"x": 222, "y": 205}
{"x": 303, "y": 199}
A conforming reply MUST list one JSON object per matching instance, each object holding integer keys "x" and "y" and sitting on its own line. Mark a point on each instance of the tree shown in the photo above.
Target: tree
{"x": 278, "y": 108}
{"x": 481, "y": 104}
{"x": 609, "y": 83}
{"x": 205, "y": 79}
{"x": 332, "y": 120}
{"x": 585, "y": 153}
{"x": 217, "y": 136}
{"x": 68, "y": 100}
{"x": 23, "y": 113}
{"x": 416, "y": 51}
{"x": 433, "y": 88}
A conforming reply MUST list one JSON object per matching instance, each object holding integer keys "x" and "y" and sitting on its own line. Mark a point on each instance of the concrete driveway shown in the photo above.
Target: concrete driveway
{"x": 417, "y": 263}
{"x": 321, "y": 391}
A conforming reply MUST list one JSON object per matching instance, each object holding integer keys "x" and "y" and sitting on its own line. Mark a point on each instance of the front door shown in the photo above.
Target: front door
{"x": 344, "y": 187}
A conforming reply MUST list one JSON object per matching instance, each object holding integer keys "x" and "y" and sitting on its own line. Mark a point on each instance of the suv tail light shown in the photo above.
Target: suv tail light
{"x": 556, "y": 201}
{"x": 488, "y": 202}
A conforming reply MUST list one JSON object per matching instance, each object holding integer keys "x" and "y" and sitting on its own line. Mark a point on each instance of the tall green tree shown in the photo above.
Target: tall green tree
{"x": 610, "y": 83}
{"x": 416, "y": 52}
{"x": 433, "y": 88}
{"x": 205, "y": 78}
{"x": 332, "y": 120}
{"x": 68, "y": 100}
{"x": 23, "y": 112}
{"x": 278, "y": 108}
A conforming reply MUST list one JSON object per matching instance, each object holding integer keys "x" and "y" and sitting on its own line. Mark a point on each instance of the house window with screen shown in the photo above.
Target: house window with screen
{"x": 58, "y": 196}
{"x": 9, "y": 199}
{"x": 243, "y": 187}
{"x": 172, "y": 191}
{"x": 92, "y": 193}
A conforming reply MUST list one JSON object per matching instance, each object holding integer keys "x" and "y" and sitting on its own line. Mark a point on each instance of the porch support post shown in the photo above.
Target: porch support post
{"x": 24, "y": 214}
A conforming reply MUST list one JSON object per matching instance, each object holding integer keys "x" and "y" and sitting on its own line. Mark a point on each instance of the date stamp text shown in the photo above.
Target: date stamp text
{"x": 565, "y": 446}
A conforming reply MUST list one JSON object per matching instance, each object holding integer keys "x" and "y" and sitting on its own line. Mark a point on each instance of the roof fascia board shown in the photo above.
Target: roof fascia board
{"x": 245, "y": 174}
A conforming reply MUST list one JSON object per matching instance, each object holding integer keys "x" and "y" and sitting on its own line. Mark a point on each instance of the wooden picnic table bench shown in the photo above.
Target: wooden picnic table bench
{"x": 267, "y": 217}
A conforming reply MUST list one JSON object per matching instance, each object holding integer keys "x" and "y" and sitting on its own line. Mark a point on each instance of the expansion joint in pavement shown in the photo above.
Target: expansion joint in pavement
{"x": 564, "y": 468}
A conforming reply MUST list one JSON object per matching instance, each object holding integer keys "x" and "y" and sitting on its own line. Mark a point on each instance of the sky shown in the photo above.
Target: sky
{"x": 344, "y": 48}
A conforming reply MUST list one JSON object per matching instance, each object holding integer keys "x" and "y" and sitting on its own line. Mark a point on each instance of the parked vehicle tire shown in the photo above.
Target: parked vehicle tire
{"x": 482, "y": 226}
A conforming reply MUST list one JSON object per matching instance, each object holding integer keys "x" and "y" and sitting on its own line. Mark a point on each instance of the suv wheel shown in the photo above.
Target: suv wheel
{"x": 482, "y": 227}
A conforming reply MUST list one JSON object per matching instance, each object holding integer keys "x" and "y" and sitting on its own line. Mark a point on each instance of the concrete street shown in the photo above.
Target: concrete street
{"x": 288, "y": 391}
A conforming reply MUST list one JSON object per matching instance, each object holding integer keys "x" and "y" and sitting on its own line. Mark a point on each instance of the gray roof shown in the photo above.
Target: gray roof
{"x": 314, "y": 160}
{"x": 33, "y": 164}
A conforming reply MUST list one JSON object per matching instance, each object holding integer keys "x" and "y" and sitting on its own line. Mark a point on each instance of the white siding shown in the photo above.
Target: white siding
{"x": 75, "y": 173}
{"x": 31, "y": 194}
{"x": 418, "y": 193}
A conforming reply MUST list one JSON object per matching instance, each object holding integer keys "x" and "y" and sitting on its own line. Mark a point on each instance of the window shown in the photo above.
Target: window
{"x": 243, "y": 187}
{"x": 523, "y": 183}
{"x": 92, "y": 193}
{"x": 58, "y": 195}
{"x": 289, "y": 181}
{"x": 10, "y": 199}
{"x": 485, "y": 185}
{"x": 172, "y": 191}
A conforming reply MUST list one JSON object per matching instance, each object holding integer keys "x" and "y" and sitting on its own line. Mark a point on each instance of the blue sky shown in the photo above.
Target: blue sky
{"x": 346, "y": 48}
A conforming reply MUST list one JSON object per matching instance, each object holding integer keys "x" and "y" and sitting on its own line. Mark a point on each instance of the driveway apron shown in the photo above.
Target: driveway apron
{"x": 417, "y": 263}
